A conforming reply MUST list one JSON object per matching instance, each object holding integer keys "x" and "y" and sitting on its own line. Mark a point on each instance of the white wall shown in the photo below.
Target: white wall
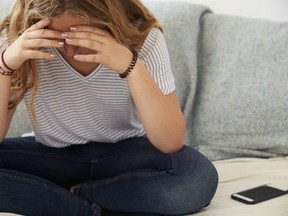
{"x": 276, "y": 10}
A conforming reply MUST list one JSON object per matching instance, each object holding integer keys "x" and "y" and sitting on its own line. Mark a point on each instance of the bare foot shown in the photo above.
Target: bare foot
{"x": 72, "y": 189}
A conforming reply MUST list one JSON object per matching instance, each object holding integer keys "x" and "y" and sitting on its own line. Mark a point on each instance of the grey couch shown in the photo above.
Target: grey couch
{"x": 231, "y": 76}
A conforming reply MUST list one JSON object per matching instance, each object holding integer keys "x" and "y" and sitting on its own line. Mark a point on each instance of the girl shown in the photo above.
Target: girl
{"x": 96, "y": 78}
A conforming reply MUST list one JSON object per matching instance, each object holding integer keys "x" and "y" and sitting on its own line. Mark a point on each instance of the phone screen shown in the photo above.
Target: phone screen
{"x": 258, "y": 194}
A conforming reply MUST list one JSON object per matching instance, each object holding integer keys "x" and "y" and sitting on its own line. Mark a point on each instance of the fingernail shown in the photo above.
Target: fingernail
{"x": 76, "y": 57}
{"x": 68, "y": 40}
{"x": 73, "y": 28}
{"x": 61, "y": 43}
{"x": 52, "y": 55}
{"x": 45, "y": 20}
{"x": 64, "y": 35}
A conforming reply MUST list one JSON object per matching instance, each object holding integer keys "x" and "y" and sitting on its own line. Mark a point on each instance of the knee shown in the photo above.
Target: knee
{"x": 6, "y": 157}
{"x": 197, "y": 181}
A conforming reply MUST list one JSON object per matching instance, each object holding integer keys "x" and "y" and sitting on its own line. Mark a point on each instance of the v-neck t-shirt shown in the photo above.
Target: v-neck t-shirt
{"x": 74, "y": 109}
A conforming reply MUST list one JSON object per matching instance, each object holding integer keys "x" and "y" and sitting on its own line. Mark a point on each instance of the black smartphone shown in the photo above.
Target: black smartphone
{"x": 258, "y": 194}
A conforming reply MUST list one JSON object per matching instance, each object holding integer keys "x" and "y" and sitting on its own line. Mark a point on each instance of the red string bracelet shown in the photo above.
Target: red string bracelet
{"x": 4, "y": 63}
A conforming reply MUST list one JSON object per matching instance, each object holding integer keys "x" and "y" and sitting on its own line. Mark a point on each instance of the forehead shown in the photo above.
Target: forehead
{"x": 65, "y": 21}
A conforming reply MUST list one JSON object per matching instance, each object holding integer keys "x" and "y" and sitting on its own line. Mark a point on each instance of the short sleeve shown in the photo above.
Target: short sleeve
{"x": 3, "y": 40}
{"x": 155, "y": 56}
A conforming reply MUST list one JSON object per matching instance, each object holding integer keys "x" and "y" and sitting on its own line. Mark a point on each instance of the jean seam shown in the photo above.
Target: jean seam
{"x": 43, "y": 185}
{"x": 122, "y": 176}
{"x": 42, "y": 154}
{"x": 173, "y": 162}
{"x": 168, "y": 171}
{"x": 123, "y": 155}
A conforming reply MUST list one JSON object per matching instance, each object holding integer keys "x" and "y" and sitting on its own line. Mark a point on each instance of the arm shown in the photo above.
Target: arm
{"x": 5, "y": 114}
{"x": 160, "y": 114}
{"x": 24, "y": 48}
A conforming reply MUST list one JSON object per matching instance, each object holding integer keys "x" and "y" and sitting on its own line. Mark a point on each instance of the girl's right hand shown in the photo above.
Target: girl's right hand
{"x": 27, "y": 45}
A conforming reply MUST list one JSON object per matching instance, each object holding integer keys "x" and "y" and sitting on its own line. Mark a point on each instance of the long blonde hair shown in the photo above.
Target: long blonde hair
{"x": 129, "y": 21}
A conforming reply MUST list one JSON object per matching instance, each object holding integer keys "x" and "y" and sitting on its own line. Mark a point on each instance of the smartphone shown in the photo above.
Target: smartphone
{"x": 258, "y": 194}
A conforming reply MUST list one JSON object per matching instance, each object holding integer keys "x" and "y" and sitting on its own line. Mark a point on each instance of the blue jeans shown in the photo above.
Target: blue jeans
{"x": 128, "y": 176}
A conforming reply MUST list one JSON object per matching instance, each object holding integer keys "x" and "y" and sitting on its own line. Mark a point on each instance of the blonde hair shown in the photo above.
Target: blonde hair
{"x": 129, "y": 21}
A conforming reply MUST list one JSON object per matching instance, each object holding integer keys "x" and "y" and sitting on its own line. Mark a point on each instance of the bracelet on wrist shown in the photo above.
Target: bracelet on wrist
{"x": 4, "y": 63}
{"x": 5, "y": 73}
{"x": 131, "y": 66}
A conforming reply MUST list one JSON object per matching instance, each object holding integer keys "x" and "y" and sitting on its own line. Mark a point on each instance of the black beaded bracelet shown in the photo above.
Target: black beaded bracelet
{"x": 131, "y": 66}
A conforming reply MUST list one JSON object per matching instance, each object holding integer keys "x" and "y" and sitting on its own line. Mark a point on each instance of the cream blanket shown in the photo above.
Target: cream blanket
{"x": 244, "y": 173}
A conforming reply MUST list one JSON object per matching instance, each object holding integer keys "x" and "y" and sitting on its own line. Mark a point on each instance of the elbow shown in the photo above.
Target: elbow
{"x": 172, "y": 148}
{"x": 174, "y": 143}
{"x": 1, "y": 139}
{"x": 169, "y": 145}
{"x": 170, "y": 141}
{"x": 2, "y": 134}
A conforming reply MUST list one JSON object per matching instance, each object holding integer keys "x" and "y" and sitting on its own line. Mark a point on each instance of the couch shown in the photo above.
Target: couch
{"x": 232, "y": 84}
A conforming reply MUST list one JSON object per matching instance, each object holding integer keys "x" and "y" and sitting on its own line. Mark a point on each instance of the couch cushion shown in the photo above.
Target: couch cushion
{"x": 242, "y": 101}
{"x": 21, "y": 123}
{"x": 181, "y": 23}
{"x": 5, "y": 7}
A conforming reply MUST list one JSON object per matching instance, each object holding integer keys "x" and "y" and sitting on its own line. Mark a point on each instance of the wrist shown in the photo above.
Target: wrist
{"x": 131, "y": 66}
{"x": 4, "y": 72}
{"x": 4, "y": 62}
{"x": 10, "y": 60}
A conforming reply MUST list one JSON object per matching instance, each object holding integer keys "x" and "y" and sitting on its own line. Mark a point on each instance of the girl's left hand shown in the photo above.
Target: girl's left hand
{"x": 107, "y": 50}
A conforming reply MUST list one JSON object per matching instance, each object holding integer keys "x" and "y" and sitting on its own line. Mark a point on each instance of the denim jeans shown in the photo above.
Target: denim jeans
{"x": 128, "y": 176}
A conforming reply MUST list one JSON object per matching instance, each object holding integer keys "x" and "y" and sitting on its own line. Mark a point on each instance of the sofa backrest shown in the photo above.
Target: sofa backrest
{"x": 5, "y": 7}
{"x": 241, "y": 104}
{"x": 237, "y": 72}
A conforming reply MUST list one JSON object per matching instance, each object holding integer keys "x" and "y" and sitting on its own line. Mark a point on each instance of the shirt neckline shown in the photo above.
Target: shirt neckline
{"x": 77, "y": 73}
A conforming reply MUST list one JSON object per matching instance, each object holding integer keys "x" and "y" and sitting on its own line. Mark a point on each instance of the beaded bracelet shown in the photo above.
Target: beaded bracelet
{"x": 5, "y": 73}
{"x": 131, "y": 66}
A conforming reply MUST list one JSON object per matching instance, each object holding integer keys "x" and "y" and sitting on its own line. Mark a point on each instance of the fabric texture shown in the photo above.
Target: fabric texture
{"x": 128, "y": 176}
{"x": 239, "y": 174}
{"x": 241, "y": 101}
{"x": 5, "y": 7}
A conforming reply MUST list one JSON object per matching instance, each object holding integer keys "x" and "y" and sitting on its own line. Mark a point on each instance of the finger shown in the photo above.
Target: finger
{"x": 39, "y": 25}
{"x": 43, "y": 43}
{"x": 90, "y": 44}
{"x": 34, "y": 54}
{"x": 84, "y": 35}
{"x": 88, "y": 58}
{"x": 44, "y": 33}
{"x": 93, "y": 29}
